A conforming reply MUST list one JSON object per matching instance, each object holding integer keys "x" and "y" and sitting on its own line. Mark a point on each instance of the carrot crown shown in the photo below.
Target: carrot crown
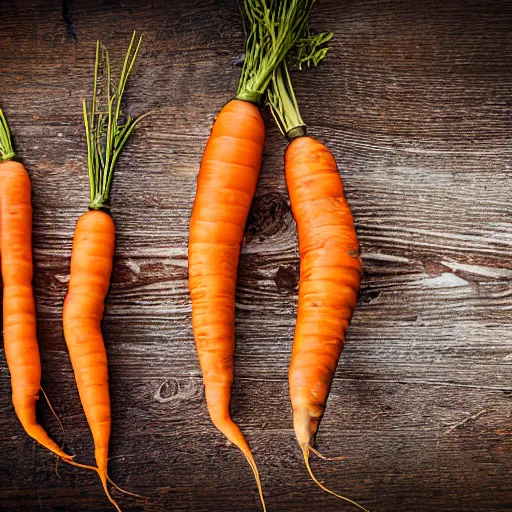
{"x": 281, "y": 96}
{"x": 107, "y": 126}
{"x": 6, "y": 149}
{"x": 273, "y": 29}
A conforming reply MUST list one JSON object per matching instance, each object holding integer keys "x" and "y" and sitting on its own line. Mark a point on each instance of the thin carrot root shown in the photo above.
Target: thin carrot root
{"x": 96, "y": 470}
{"x": 306, "y": 449}
{"x": 120, "y": 489}
{"x": 103, "y": 477}
{"x": 128, "y": 493}
{"x": 323, "y": 457}
{"x": 56, "y": 416}
{"x": 83, "y": 466}
{"x": 252, "y": 463}
{"x": 232, "y": 432}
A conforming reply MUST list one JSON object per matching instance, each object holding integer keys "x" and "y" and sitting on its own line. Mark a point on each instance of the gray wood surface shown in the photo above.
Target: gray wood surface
{"x": 415, "y": 101}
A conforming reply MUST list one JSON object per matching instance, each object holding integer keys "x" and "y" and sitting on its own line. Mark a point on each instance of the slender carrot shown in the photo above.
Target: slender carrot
{"x": 225, "y": 189}
{"x": 19, "y": 310}
{"x": 330, "y": 267}
{"x": 93, "y": 251}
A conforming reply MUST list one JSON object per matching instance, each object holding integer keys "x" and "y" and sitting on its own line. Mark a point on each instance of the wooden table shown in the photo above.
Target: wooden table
{"x": 415, "y": 100}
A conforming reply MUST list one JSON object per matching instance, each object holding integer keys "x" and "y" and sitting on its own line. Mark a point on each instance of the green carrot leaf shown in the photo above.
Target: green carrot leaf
{"x": 273, "y": 28}
{"x": 6, "y": 149}
{"x": 107, "y": 126}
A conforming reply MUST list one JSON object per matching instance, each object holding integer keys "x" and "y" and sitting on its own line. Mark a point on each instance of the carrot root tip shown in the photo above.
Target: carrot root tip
{"x": 103, "y": 478}
{"x": 314, "y": 451}
{"x": 254, "y": 468}
{"x": 306, "y": 450}
{"x": 128, "y": 493}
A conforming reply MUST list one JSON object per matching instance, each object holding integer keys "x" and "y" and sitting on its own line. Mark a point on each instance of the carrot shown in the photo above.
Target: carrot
{"x": 93, "y": 251}
{"x": 19, "y": 310}
{"x": 225, "y": 189}
{"x": 330, "y": 267}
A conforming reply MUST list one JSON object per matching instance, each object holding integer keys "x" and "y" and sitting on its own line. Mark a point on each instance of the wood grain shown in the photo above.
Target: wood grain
{"x": 415, "y": 101}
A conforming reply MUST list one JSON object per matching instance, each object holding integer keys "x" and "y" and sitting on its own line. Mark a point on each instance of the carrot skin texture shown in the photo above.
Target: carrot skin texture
{"x": 330, "y": 277}
{"x": 91, "y": 267}
{"x": 225, "y": 189}
{"x": 19, "y": 311}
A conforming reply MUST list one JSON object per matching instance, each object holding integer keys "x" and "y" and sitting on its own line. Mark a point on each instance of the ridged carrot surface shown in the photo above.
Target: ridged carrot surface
{"x": 19, "y": 311}
{"x": 225, "y": 189}
{"x": 90, "y": 271}
{"x": 330, "y": 276}
{"x": 330, "y": 264}
{"x": 93, "y": 252}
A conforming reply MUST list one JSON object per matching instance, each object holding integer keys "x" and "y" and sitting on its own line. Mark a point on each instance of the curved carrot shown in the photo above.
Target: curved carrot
{"x": 90, "y": 271}
{"x": 225, "y": 189}
{"x": 330, "y": 265}
{"x": 19, "y": 310}
{"x": 92, "y": 256}
{"x": 330, "y": 276}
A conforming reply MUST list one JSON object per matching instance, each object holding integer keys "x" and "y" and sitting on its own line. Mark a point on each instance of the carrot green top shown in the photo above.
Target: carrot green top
{"x": 107, "y": 127}
{"x": 6, "y": 150}
{"x": 274, "y": 27}
{"x": 281, "y": 96}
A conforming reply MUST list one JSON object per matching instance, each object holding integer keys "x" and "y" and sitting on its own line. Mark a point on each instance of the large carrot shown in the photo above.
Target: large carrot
{"x": 225, "y": 189}
{"x": 93, "y": 251}
{"x": 330, "y": 266}
{"x": 19, "y": 310}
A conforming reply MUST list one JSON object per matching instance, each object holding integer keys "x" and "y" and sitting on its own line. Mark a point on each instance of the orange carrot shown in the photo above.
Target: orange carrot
{"x": 330, "y": 267}
{"x": 225, "y": 189}
{"x": 19, "y": 310}
{"x": 330, "y": 276}
{"x": 92, "y": 256}
{"x": 90, "y": 270}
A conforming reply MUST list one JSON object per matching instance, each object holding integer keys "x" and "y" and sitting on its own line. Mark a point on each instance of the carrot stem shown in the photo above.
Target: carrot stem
{"x": 281, "y": 95}
{"x": 283, "y": 104}
{"x": 310, "y": 49}
{"x": 6, "y": 149}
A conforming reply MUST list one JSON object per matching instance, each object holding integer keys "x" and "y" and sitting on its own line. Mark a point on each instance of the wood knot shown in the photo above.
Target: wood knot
{"x": 287, "y": 278}
{"x": 167, "y": 391}
{"x": 173, "y": 389}
{"x": 369, "y": 297}
{"x": 267, "y": 216}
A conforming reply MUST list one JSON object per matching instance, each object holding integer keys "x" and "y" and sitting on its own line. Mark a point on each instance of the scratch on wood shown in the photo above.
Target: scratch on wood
{"x": 384, "y": 257}
{"x": 133, "y": 266}
{"x": 445, "y": 280}
{"x": 465, "y": 420}
{"x": 478, "y": 270}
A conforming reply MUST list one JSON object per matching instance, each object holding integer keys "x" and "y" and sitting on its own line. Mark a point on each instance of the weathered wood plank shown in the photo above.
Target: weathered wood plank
{"x": 415, "y": 102}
